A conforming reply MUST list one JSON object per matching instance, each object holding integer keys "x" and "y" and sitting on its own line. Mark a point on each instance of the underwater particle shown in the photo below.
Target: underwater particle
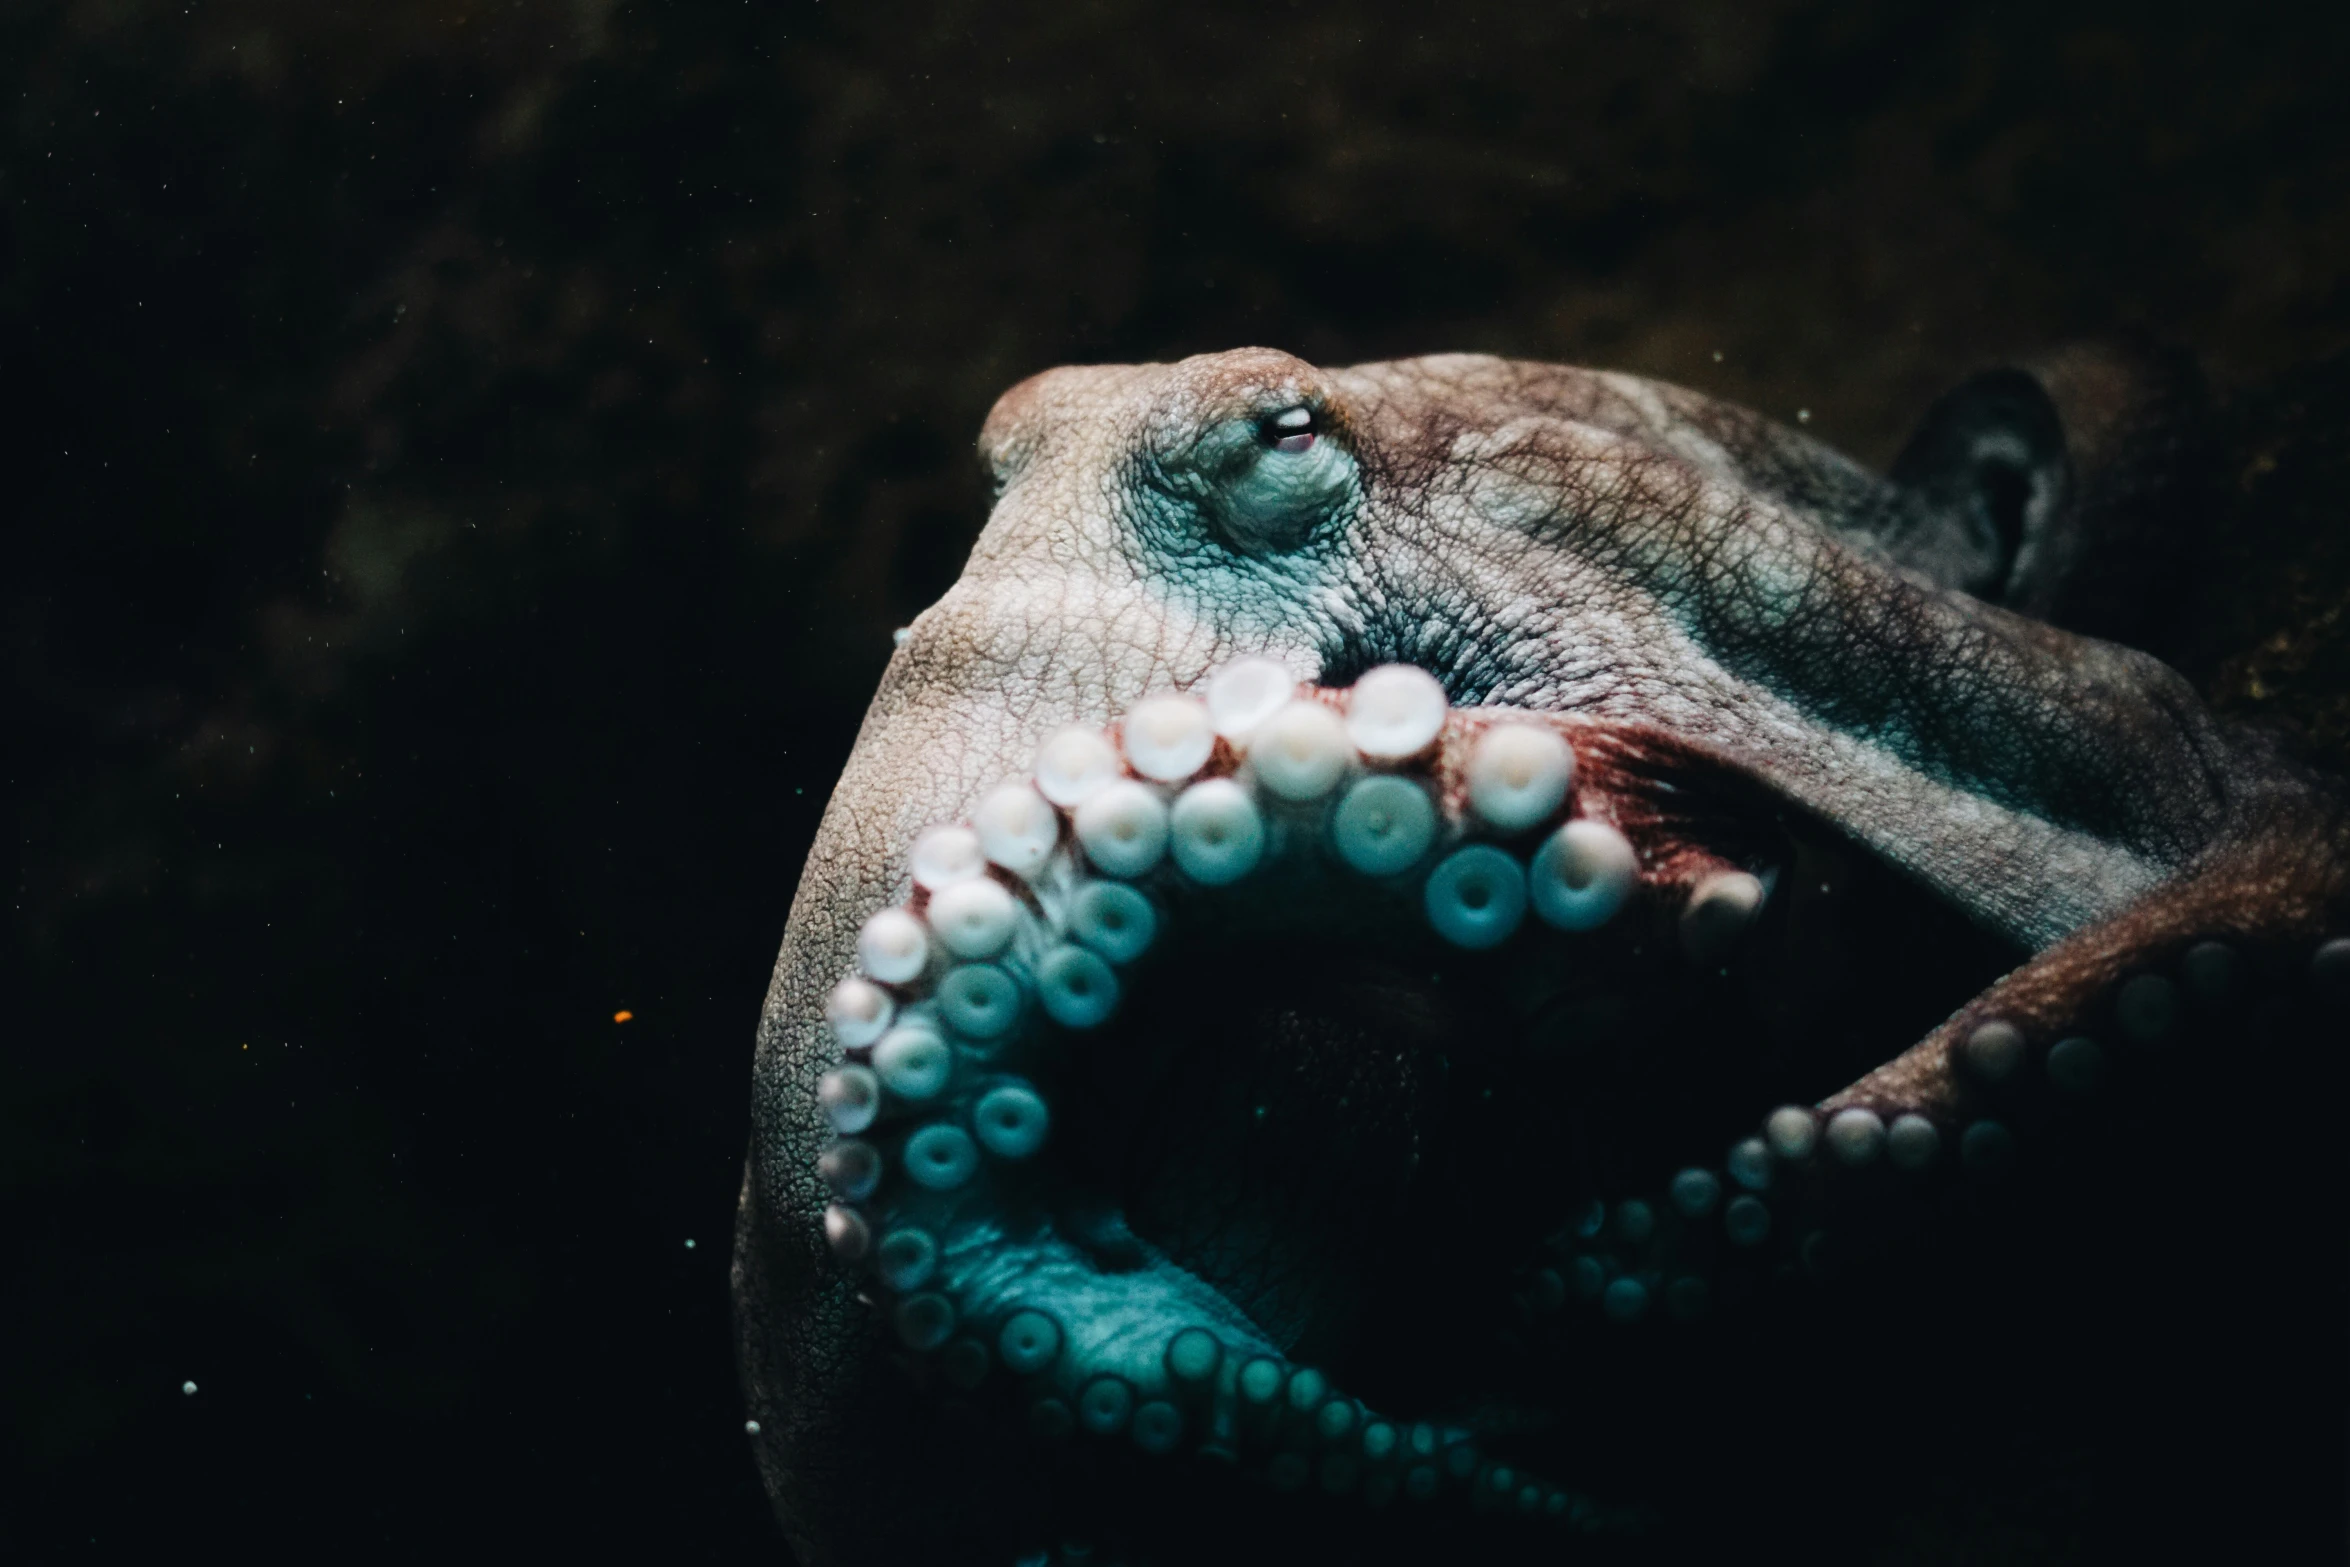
{"x": 750, "y": 1428}
{"x": 189, "y": 1388}
{"x": 689, "y": 1245}
{"x": 623, "y": 1015}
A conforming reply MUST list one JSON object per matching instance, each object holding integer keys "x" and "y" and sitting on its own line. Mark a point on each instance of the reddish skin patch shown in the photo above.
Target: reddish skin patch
{"x": 2272, "y": 896}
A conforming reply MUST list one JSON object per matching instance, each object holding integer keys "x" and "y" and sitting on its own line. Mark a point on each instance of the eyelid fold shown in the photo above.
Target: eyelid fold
{"x": 1262, "y": 448}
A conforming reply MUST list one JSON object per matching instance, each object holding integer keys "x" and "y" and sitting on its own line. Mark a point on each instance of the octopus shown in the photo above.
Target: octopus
{"x": 1472, "y": 959}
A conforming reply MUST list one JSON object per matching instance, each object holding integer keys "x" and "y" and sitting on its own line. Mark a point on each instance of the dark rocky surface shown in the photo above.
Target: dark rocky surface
{"x": 468, "y": 460}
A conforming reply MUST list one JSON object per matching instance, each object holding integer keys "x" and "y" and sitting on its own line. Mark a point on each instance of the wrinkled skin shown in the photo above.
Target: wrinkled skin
{"x": 1897, "y": 665}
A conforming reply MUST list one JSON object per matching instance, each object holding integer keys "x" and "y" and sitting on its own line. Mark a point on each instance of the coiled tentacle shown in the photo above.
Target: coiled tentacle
{"x": 1028, "y": 926}
{"x": 1019, "y": 945}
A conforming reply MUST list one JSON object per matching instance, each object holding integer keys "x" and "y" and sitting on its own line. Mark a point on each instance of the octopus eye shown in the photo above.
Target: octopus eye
{"x": 1268, "y": 479}
{"x": 1291, "y": 430}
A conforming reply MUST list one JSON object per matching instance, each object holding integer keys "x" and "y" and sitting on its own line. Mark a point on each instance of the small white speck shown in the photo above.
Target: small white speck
{"x": 689, "y": 1245}
{"x": 1717, "y": 356}
{"x": 750, "y": 1428}
{"x": 899, "y": 636}
{"x": 1803, "y": 416}
{"x": 188, "y": 1388}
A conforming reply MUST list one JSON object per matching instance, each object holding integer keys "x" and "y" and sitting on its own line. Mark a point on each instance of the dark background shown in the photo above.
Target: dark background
{"x": 468, "y": 458}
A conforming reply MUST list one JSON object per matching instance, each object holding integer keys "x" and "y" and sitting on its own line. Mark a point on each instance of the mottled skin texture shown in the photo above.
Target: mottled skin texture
{"x": 1542, "y": 538}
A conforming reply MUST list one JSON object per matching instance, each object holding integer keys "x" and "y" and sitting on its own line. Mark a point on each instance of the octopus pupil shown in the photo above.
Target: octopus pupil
{"x": 1291, "y": 430}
